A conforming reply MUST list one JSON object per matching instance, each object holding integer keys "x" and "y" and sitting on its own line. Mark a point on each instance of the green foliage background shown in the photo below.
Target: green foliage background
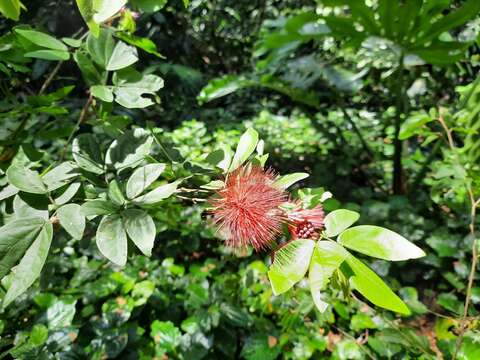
{"x": 347, "y": 91}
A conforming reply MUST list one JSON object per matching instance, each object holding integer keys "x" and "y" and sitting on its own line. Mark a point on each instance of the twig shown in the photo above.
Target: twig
{"x": 50, "y": 77}
{"x": 80, "y": 120}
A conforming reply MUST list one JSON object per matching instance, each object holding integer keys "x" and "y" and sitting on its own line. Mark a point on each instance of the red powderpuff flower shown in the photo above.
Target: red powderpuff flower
{"x": 246, "y": 209}
{"x": 305, "y": 223}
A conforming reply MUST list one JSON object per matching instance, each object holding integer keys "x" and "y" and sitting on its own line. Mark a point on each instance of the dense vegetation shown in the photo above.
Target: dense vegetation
{"x": 226, "y": 179}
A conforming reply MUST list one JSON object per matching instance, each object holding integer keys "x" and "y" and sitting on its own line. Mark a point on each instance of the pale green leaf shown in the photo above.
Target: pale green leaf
{"x": 98, "y": 207}
{"x": 158, "y": 194}
{"x": 68, "y": 194}
{"x": 290, "y": 265}
{"x": 42, "y": 39}
{"x": 112, "y": 239}
{"x": 105, "y": 9}
{"x": 29, "y": 268}
{"x": 104, "y": 93}
{"x": 140, "y": 228}
{"x": 285, "y": 181}
{"x": 115, "y": 193}
{"x": 87, "y": 154}
{"x": 367, "y": 283}
{"x": 339, "y": 220}
{"x": 54, "y": 55}
{"x": 129, "y": 149}
{"x": 123, "y": 55}
{"x": 327, "y": 257}
{"x": 142, "y": 178}
{"x": 60, "y": 175}
{"x": 25, "y": 179}
{"x": 101, "y": 47}
{"x": 72, "y": 220}
{"x": 380, "y": 243}
{"x": 246, "y": 146}
{"x": 24, "y": 210}
{"x": 15, "y": 238}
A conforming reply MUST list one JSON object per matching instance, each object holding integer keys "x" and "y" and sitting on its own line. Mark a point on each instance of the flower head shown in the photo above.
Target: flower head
{"x": 246, "y": 209}
{"x": 305, "y": 223}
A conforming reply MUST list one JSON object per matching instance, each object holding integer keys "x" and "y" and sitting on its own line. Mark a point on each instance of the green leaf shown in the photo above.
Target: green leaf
{"x": 380, "y": 243}
{"x": 150, "y": 6}
{"x": 145, "y": 44}
{"x": 339, "y": 220}
{"x": 89, "y": 72}
{"x": 455, "y": 18}
{"x": 367, "y": 283}
{"x": 140, "y": 228}
{"x": 327, "y": 257}
{"x": 35, "y": 207}
{"x": 104, "y": 93}
{"x": 290, "y": 265}
{"x": 8, "y": 191}
{"x": 10, "y": 9}
{"x": 123, "y": 55}
{"x": 222, "y": 86}
{"x": 361, "y": 321}
{"x": 87, "y": 10}
{"x": 166, "y": 334}
{"x": 49, "y": 55}
{"x": 105, "y": 9}
{"x": 98, "y": 11}
{"x": 101, "y": 48}
{"x": 86, "y": 153}
{"x": 131, "y": 86}
{"x": 112, "y": 240}
{"x": 246, "y": 146}
{"x": 285, "y": 181}
{"x": 26, "y": 180}
{"x": 412, "y": 124}
{"x": 68, "y": 194}
{"x": 158, "y": 194}
{"x": 129, "y": 149}
{"x": 15, "y": 238}
{"x": 98, "y": 207}
{"x": 72, "y": 220}
{"x": 29, "y": 268}
{"x": 41, "y": 39}
{"x": 142, "y": 178}
{"x": 115, "y": 193}
{"x": 75, "y": 43}
{"x": 60, "y": 175}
